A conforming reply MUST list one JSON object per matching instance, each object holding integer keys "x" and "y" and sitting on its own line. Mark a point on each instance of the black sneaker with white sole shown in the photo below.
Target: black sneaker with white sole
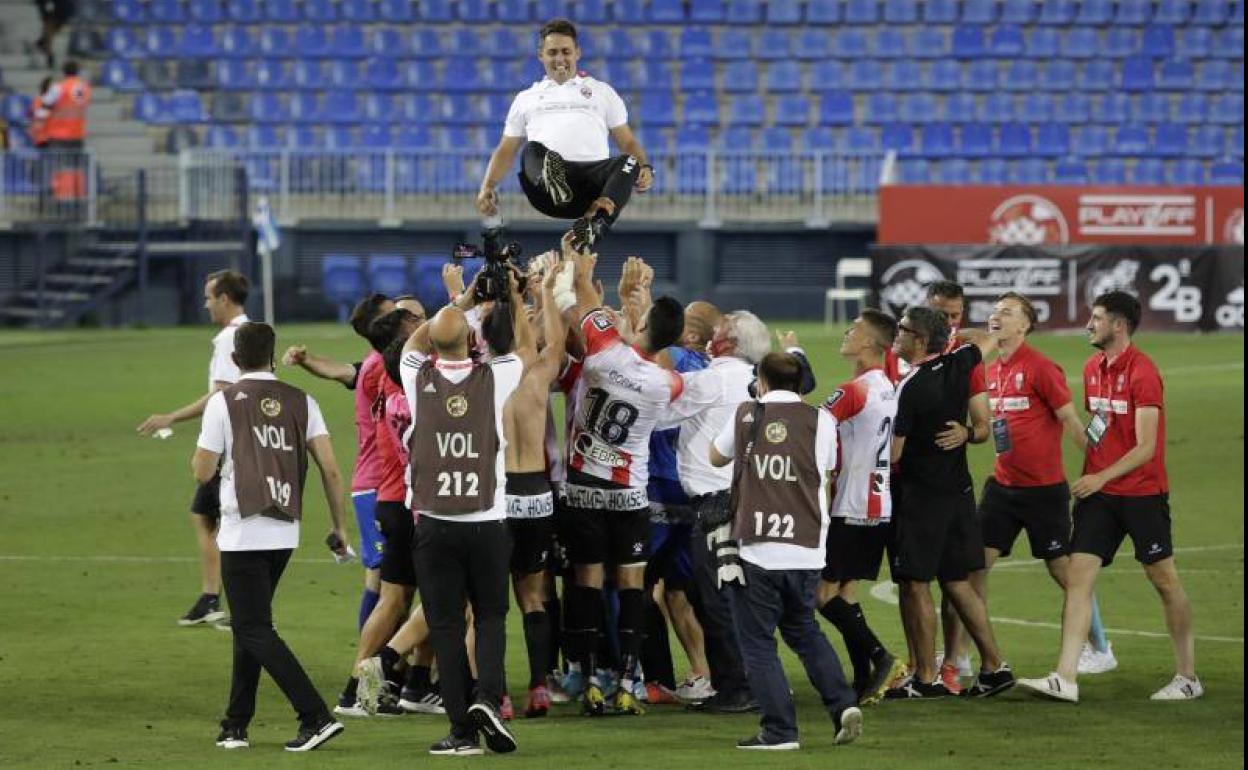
{"x": 913, "y": 689}
{"x": 232, "y": 737}
{"x": 454, "y": 746}
{"x": 761, "y": 742}
{"x": 312, "y": 736}
{"x": 586, "y": 231}
{"x": 488, "y": 721}
{"x": 555, "y": 178}
{"x": 422, "y": 701}
{"x": 990, "y": 683}
{"x": 848, "y": 725}
{"x": 206, "y": 609}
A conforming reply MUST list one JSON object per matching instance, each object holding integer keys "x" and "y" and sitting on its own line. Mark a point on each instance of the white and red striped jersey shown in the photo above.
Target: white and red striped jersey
{"x": 864, "y": 408}
{"x": 621, "y": 397}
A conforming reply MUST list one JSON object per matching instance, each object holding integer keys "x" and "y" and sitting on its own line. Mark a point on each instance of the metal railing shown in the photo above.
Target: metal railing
{"x": 56, "y": 187}
{"x": 391, "y": 186}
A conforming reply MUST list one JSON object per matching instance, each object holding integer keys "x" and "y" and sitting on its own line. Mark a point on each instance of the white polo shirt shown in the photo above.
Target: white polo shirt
{"x": 572, "y": 119}
{"x": 254, "y": 533}
{"x": 718, "y": 389}
{"x": 222, "y": 368}
{"x": 778, "y": 556}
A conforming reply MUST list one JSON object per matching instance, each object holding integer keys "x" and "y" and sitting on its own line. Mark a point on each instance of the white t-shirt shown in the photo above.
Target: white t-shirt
{"x": 507, "y": 372}
{"x": 222, "y": 368}
{"x": 254, "y": 533}
{"x": 778, "y": 556}
{"x": 573, "y": 119}
{"x": 719, "y": 389}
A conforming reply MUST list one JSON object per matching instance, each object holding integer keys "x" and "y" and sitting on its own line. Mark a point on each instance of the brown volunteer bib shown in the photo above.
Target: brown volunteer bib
{"x": 454, "y": 442}
{"x": 269, "y": 421}
{"x": 778, "y": 476}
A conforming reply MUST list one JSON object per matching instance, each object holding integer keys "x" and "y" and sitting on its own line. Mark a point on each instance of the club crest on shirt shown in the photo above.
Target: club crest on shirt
{"x": 457, "y": 406}
{"x": 1122, "y": 378}
{"x": 271, "y": 407}
{"x": 836, "y": 396}
{"x": 1018, "y": 381}
{"x": 587, "y": 92}
{"x": 776, "y": 432}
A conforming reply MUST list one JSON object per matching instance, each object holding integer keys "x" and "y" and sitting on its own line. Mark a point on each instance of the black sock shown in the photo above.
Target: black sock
{"x": 631, "y": 624}
{"x": 349, "y": 691}
{"x": 537, "y": 641}
{"x": 418, "y": 678}
{"x": 584, "y": 616}
{"x": 389, "y": 661}
{"x": 839, "y": 613}
{"x": 555, "y": 629}
{"x": 870, "y": 642}
{"x": 656, "y": 650}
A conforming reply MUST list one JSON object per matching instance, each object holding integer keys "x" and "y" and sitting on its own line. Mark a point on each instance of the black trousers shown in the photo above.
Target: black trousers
{"x": 611, "y": 178}
{"x": 460, "y": 563}
{"x": 785, "y": 599}
{"x": 714, "y": 612}
{"x": 250, "y": 579}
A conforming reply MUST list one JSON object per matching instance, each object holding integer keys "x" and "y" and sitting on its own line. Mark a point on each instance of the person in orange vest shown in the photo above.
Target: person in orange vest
{"x": 39, "y": 113}
{"x": 68, "y": 100}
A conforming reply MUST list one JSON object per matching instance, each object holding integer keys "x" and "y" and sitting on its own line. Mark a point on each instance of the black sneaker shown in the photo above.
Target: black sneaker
{"x": 421, "y": 701}
{"x": 388, "y": 702}
{"x": 990, "y": 683}
{"x": 312, "y": 736}
{"x": 884, "y": 669}
{"x": 232, "y": 737}
{"x": 555, "y": 178}
{"x": 487, "y": 720}
{"x": 761, "y": 743}
{"x": 452, "y": 746}
{"x": 727, "y": 703}
{"x": 206, "y": 609}
{"x": 848, "y": 726}
{"x": 586, "y": 231}
{"x": 913, "y": 689}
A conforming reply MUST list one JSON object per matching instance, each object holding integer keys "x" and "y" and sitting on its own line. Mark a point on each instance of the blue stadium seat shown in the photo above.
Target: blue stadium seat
{"x": 666, "y": 12}
{"x": 239, "y": 43}
{"x": 426, "y": 279}
{"x": 280, "y": 11}
{"x": 620, "y": 74}
{"x": 1080, "y": 43}
{"x": 1119, "y": 43}
{"x": 856, "y": 12}
{"x": 929, "y": 43}
{"x": 381, "y": 108}
{"x": 882, "y": 108}
{"x": 462, "y": 75}
{"x": 152, "y": 108}
{"x": 221, "y": 138}
{"x": 342, "y": 282}
{"x": 1193, "y": 108}
{"x": 166, "y": 12}
{"x": 1094, "y": 13}
{"x": 274, "y": 75}
{"x": 997, "y": 108}
{"x": 1021, "y": 75}
{"x": 1229, "y": 43}
{"x": 1071, "y": 170}
{"x": 865, "y": 75}
{"x": 341, "y": 106}
{"x": 783, "y": 12}
{"x": 305, "y": 107}
{"x": 860, "y": 139}
{"x": 130, "y": 11}
{"x": 1114, "y": 108}
{"x": 340, "y": 138}
{"x": 1137, "y": 74}
{"x": 1008, "y": 42}
{"x": 940, "y": 11}
{"x": 774, "y": 43}
{"x": 825, "y": 12}
{"x": 587, "y": 12}
{"x": 776, "y": 139}
{"x": 1100, "y": 75}
{"x": 309, "y": 74}
{"x": 1193, "y": 43}
{"x": 1171, "y": 139}
{"x": 744, "y": 12}
{"x": 792, "y": 110}
{"x": 734, "y": 43}
{"x": 915, "y": 171}
{"x": 383, "y": 75}
{"x": 420, "y": 75}
{"x": 434, "y": 11}
{"x": 901, "y": 11}
{"x": 376, "y": 135}
{"x": 1134, "y": 14}
{"x": 786, "y": 176}
{"x": 736, "y": 138}
{"x": 1153, "y": 108}
{"x": 692, "y": 137}
{"x": 836, "y": 108}
{"x": 1015, "y": 140}
{"x": 347, "y": 42}
{"x": 944, "y": 75}
{"x": 952, "y": 171}
{"x": 1158, "y": 41}
{"x": 474, "y": 11}
{"x": 206, "y": 11}
{"x": 161, "y": 42}
{"x": 817, "y": 139}
{"x": 741, "y": 76}
{"x": 828, "y": 75}
{"x": 1228, "y": 110}
{"x": 1227, "y": 172}
{"x": 1020, "y": 12}
{"x": 1043, "y": 43}
{"x": 244, "y": 11}
{"x": 1031, "y": 171}
{"x": 657, "y": 44}
{"x": 890, "y": 43}
{"x": 1057, "y": 13}
{"x": 320, "y": 11}
{"x": 918, "y": 108}
{"x": 387, "y": 274}
{"x": 991, "y": 171}
{"x": 1038, "y": 107}
{"x": 1176, "y": 12}
{"x": 1090, "y": 141}
{"x": 851, "y": 43}
{"x": 1052, "y": 139}
{"x": 1185, "y": 171}
{"x": 706, "y": 11}
{"x": 1211, "y": 13}
{"x": 783, "y": 77}
{"x": 696, "y": 43}
{"x": 657, "y": 75}
{"x": 617, "y": 44}
{"x": 264, "y": 138}
{"x": 358, "y": 11}
{"x": 395, "y": 11}
{"x": 937, "y": 140}
{"x": 657, "y": 108}
{"x": 1131, "y": 140}
{"x": 629, "y": 11}
{"x": 1110, "y": 171}
{"x": 746, "y": 110}
{"x": 513, "y": 11}
{"x": 902, "y": 75}
{"x": 1214, "y": 75}
{"x": 812, "y": 43}
{"x": 700, "y": 109}
{"x": 698, "y": 75}
{"x": 1176, "y": 75}
{"x": 982, "y": 75}
{"x": 979, "y": 12}
{"x": 269, "y": 108}
{"x": 413, "y": 137}
{"x": 274, "y": 42}
{"x": 968, "y": 42}
{"x": 194, "y": 74}
{"x": 657, "y": 141}
{"x": 198, "y": 41}
{"x": 975, "y": 140}
{"x": 119, "y": 75}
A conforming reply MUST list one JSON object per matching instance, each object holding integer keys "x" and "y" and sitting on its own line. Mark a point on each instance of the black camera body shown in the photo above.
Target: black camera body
{"x": 493, "y": 283}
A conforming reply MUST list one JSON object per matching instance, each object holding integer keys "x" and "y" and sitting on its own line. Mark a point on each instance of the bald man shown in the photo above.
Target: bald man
{"x": 457, "y": 447}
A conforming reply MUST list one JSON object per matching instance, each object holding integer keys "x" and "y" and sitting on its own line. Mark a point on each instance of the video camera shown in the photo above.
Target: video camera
{"x": 493, "y": 282}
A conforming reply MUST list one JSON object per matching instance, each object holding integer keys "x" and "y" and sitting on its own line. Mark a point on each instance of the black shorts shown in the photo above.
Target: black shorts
{"x": 936, "y": 536}
{"x": 1102, "y": 521}
{"x": 207, "y": 500}
{"x": 1043, "y": 511}
{"x": 532, "y": 544}
{"x": 604, "y": 532}
{"x": 854, "y": 551}
{"x": 399, "y": 530}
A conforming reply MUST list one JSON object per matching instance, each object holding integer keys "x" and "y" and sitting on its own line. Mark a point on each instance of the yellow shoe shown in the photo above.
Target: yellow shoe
{"x": 625, "y": 703}
{"x": 592, "y": 702}
{"x": 881, "y": 680}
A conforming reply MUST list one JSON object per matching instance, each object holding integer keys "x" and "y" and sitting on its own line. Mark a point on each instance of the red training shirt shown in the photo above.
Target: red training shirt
{"x": 393, "y": 418}
{"x": 1027, "y": 390}
{"x": 1118, "y": 389}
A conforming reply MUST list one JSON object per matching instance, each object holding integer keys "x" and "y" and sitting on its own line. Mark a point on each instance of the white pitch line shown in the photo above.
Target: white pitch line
{"x": 107, "y": 559}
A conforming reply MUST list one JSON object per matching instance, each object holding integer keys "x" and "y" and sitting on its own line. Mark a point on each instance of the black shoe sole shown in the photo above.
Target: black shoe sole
{"x": 322, "y": 736}
{"x": 497, "y": 737}
{"x": 974, "y": 692}
{"x": 555, "y": 179}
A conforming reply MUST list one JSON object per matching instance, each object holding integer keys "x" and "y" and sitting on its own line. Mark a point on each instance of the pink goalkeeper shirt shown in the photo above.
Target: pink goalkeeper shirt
{"x": 368, "y": 469}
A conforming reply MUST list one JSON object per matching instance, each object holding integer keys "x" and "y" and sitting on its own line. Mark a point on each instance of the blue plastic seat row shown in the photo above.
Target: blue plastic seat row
{"x": 379, "y": 137}
{"x": 357, "y": 11}
{"x": 348, "y": 278}
{"x": 1072, "y": 171}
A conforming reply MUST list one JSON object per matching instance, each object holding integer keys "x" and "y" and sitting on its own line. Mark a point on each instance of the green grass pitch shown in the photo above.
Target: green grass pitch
{"x": 97, "y": 561}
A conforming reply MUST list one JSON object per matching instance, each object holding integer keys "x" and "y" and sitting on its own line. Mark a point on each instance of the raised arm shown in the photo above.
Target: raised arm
{"x": 526, "y": 339}
{"x": 500, "y": 163}
{"x": 627, "y": 141}
{"x": 320, "y": 366}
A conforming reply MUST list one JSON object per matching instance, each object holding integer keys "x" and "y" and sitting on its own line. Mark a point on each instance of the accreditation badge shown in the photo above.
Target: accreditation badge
{"x": 1097, "y": 427}
{"x": 1001, "y": 435}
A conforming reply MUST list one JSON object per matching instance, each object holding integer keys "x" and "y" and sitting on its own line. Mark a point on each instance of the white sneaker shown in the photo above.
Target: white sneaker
{"x": 695, "y": 689}
{"x": 1052, "y": 686}
{"x": 372, "y": 679}
{"x": 354, "y": 710}
{"x": 1180, "y": 688}
{"x": 1093, "y": 662}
